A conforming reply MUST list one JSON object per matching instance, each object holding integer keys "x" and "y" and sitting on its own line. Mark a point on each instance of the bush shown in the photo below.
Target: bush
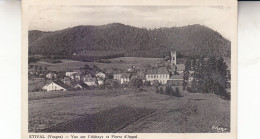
{"x": 173, "y": 93}
{"x": 190, "y": 90}
{"x": 168, "y": 90}
{"x": 157, "y": 90}
{"x": 136, "y": 82}
{"x": 112, "y": 84}
{"x": 147, "y": 83}
{"x": 161, "y": 90}
{"x": 177, "y": 92}
{"x": 155, "y": 83}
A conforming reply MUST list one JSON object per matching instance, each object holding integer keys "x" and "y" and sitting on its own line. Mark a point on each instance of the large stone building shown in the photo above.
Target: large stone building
{"x": 176, "y": 80}
{"x": 161, "y": 75}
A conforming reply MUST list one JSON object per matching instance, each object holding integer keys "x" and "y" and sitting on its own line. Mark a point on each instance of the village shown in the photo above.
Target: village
{"x": 169, "y": 71}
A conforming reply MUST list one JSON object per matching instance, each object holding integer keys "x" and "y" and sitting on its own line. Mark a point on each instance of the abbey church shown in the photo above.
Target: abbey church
{"x": 172, "y": 75}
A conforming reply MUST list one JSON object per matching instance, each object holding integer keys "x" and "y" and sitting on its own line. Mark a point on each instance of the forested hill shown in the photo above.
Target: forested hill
{"x": 132, "y": 41}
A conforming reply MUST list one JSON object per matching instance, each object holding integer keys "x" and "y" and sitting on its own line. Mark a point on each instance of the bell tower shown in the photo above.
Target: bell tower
{"x": 173, "y": 58}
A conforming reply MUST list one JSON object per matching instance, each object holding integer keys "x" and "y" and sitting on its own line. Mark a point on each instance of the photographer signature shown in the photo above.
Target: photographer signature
{"x": 219, "y": 128}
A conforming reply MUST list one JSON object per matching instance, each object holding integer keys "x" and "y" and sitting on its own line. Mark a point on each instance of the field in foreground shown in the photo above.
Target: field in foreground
{"x": 126, "y": 111}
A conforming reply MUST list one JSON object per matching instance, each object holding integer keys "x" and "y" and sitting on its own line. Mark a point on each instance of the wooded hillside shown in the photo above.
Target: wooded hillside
{"x": 130, "y": 41}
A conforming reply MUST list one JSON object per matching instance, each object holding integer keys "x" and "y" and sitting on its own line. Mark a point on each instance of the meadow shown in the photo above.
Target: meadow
{"x": 121, "y": 63}
{"x": 128, "y": 111}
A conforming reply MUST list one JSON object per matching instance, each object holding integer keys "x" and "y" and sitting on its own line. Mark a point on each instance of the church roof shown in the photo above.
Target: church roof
{"x": 180, "y": 67}
{"x": 180, "y": 76}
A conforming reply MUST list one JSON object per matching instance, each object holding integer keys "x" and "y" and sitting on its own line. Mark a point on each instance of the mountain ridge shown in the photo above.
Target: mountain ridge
{"x": 132, "y": 41}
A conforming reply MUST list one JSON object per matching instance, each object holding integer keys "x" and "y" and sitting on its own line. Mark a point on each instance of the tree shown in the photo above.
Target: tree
{"x": 161, "y": 90}
{"x": 186, "y": 73}
{"x": 136, "y": 82}
{"x": 168, "y": 90}
{"x": 157, "y": 89}
{"x": 115, "y": 84}
{"x": 177, "y": 92}
{"x": 147, "y": 83}
{"x": 172, "y": 93}
{"x": 210, "y": 76}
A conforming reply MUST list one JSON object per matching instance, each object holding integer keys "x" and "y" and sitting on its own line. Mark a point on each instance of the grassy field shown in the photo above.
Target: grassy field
{"x": 107, "y": 121}
{"x": 118, "y": 63}
{"x": 140, "y": 112}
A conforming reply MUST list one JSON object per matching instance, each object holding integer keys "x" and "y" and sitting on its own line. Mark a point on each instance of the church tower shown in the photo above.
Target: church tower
{"x": 173, "y": 58}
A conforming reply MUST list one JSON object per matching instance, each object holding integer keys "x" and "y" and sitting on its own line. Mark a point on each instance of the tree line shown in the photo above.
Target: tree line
{"x": 210, "y": 75}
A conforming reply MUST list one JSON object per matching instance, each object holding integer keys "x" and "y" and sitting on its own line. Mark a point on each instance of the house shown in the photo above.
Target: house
{"x": 176, "y": 80}
{"x": 56, "y": 86}
{"x": 67, "y": 80}
{"x": 89, "y": 80}
{"x": 180, "y": 68}
{"x": 132, "y": 69}
{"x": 78, "y": 77}
{"x": 117, "y": 76}
{"x": 70, "y": 73}
{"x": 191, "y": 71}
{"x": 161, "y": 75}
{"x": 80, "y": 86}
{"x": 100, "y": 81}
{"x": 51, "y": 75}
{"x": 101, "y": 75}
{"x": 125, "y": 78}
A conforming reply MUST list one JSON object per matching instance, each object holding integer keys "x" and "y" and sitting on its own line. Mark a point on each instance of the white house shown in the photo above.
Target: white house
{"x": 71, "y": 74}
{"x": 100, "y": 81}
{"x": 77, "y": 77}
{"x": 101, "y": 75}
{"x": 117, "y": 76}
{"x": 89, "y": 80}
{"x": 161, "y": 75}
{"x": 125, "y": 78}
{"x": 56, "y": 86}
{"x": 51, "y": 75}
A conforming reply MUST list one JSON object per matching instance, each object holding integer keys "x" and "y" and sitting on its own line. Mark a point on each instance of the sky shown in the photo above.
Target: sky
{"x": 56, "y": 18}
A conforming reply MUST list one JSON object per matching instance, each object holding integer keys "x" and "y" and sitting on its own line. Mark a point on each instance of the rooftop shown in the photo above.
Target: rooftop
{"x": 63, "y": 85}
{"x": 177, "y": 76}
{"x": 161, "y": 70}
{"x": 180, "y": 67}
{"x": 126, "y": 75}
